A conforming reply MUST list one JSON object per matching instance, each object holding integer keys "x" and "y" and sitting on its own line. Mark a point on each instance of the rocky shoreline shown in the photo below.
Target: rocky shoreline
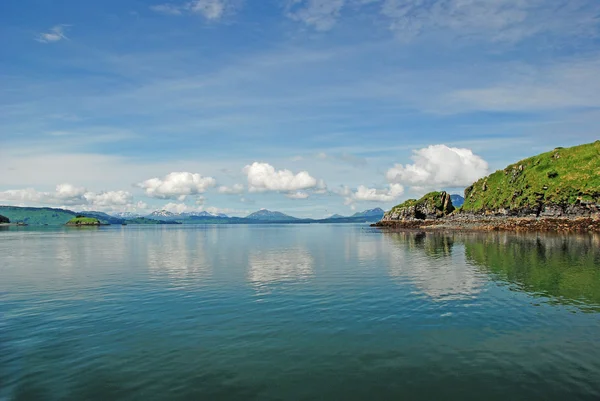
{"x": 483, "y": 223}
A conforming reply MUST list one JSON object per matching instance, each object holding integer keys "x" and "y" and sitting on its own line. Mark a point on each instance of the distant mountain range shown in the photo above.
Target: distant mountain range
{"x": 457, "y": 200}
{"x": 56, "y": 217}
{"x": 51, "y": 216}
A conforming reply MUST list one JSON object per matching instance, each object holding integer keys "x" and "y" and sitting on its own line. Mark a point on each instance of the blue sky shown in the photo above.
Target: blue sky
{"x": 308, "y": 107}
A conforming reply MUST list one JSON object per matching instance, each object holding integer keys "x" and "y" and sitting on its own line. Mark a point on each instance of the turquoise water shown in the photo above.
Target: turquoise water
{"x": 311, "y": 312}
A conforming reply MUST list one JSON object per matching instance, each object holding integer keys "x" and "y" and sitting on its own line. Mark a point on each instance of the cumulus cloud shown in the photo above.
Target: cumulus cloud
{"x": 319, "y": 14}
{"x": 181, "y": 208}
{"x": 55, "y": 34}
{"x": 439, "y": 166}
{"x": 177, "y": 185}
{"x": 110, "y": 198}
{"x": 68, "y": 195}
{"x": 233, "y": 190}
{"x": 365, "y": 194}
{"x": 264, "y": 177}
{"x": 210, "y": 9}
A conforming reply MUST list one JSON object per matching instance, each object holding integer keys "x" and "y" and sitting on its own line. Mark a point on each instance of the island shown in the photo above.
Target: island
{"x": 554, "y": 191}
{"x": 82, "y": 221}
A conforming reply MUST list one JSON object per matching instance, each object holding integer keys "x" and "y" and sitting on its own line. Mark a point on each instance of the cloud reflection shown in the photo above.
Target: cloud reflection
{"x": 179, "y": 254}
{"x": 280, "y": 265}
{"x": 434, "y": 264}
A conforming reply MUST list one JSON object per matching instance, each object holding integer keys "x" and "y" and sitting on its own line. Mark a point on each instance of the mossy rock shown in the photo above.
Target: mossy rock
{"x": 434, "y": 205}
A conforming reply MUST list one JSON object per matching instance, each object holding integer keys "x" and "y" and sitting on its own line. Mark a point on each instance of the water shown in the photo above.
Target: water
{"x": 307, "y": 312}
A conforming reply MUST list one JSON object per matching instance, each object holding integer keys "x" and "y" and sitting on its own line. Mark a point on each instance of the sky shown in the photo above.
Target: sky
{"x": 309, "y": 107}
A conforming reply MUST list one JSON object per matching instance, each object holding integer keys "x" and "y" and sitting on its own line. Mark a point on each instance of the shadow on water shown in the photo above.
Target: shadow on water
{"x": 565, "y": 269}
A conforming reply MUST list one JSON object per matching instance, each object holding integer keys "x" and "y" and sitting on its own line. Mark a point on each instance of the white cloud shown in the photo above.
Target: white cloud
{"x": 181, "y": 208}
{"x": 264, "y": 177}
{"x": 210, "y": 9}
{"x": 68, "y": 195}
{"x": 439, "y": 166}
{"x": 364, "y": 194}
{"x": 297, "y": 195}
{"x": 109, "y": 199}
{"x": 233, "y": 190}
{"x": 177, "y": 185}
{"x": 320, "y": 14}
{"x": 55, "y": 34}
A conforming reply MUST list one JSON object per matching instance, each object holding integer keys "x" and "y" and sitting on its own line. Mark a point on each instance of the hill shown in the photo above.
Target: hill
{"x": 267, "y": 215}
{"x": 565, "y": 181}
{"x": 376, "y": 213}
{"x": 37, "y": 215}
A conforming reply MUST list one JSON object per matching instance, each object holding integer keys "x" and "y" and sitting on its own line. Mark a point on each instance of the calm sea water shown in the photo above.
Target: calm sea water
{"x": 307, "y": 312}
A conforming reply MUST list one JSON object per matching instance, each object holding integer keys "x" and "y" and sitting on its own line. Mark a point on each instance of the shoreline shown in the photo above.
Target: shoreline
{"x": 512, "y": 224}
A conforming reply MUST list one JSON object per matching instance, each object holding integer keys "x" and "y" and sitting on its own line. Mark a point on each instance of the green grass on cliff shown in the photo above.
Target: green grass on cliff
{"x": 562, "y": 177}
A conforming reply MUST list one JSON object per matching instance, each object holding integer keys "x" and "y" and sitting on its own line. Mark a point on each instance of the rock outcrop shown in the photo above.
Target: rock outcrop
{"x": 434, "y": 205}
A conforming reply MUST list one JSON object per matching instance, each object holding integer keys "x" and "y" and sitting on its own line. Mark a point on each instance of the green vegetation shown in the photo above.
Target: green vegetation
{"x": 37, "y": 216}
{"x": 561, "y": 177}
{"x": 84, "y": 221}
{"x": 564, "y": 268}
{"x": 4, "y": 220}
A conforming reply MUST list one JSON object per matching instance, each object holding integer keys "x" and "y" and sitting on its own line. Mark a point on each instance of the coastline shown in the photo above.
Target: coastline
{"x": 589, "y": 224}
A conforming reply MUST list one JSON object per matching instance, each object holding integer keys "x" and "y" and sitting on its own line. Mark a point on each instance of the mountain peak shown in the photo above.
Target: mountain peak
{"x": 268, "y": 215}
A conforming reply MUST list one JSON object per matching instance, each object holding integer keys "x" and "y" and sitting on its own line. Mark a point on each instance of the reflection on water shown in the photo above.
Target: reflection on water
{"x": 564, "y": 268}
{"x": 178, "y": 254}
{"x": 256, "y": 312}
{"x": 280, "y": 265}
{"x": 431, "y": 262}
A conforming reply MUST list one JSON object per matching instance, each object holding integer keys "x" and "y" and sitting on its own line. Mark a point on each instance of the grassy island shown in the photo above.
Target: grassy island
{"x": 84, "y": 221}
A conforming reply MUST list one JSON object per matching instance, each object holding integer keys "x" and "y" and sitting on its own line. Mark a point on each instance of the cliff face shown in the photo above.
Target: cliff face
{"x": 563, "y": 182}
{"x": 432, "y": 206}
